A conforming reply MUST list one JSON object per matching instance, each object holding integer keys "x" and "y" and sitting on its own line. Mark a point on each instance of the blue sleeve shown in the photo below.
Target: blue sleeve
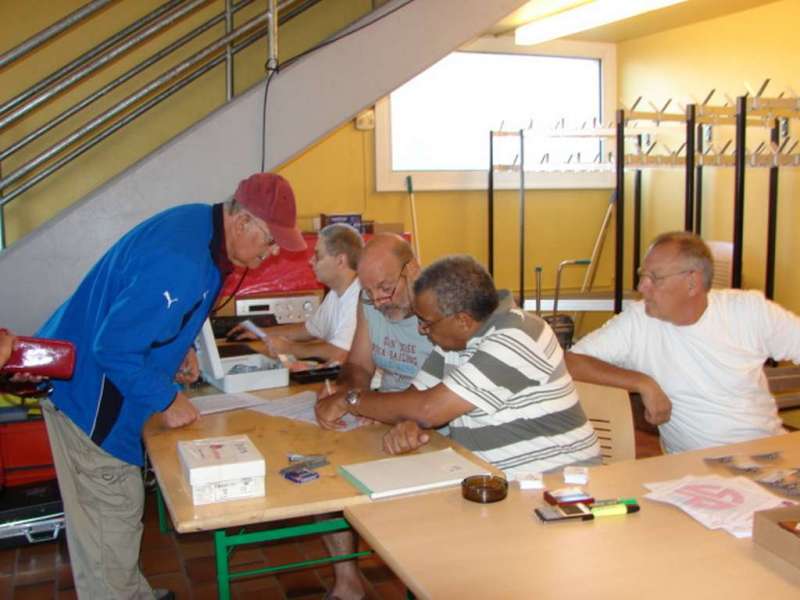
{"x": 150, "y": 312}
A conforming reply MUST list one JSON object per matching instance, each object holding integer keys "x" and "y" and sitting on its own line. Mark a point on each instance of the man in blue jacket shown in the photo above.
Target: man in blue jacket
{"x": 133, "y": 320}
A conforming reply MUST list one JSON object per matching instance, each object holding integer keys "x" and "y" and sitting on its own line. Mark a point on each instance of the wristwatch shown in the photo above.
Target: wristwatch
{"x": 352, "y": 397}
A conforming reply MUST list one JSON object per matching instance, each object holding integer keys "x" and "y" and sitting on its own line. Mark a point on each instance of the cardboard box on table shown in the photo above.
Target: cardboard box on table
{"x": 223, "y": 468}
{"x": 768, "y": 534}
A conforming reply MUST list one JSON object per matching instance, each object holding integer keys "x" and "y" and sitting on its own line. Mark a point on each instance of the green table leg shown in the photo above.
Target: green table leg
{"x": 224, "y": 543}
{"x": 163, "y": 522}
{"x": 223, "y": 575}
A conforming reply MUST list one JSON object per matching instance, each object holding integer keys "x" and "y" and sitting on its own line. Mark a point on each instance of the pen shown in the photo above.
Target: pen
{"x": 611, "y": 510}
{"x": 254, "y": 329}
{"x": 328, "y": 387}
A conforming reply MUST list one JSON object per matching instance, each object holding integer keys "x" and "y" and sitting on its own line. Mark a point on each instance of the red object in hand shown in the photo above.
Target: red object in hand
{"x": 40, "y": 357}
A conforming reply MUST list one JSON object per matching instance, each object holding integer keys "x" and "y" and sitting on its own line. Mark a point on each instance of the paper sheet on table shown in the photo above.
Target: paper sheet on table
{"x": 717, "y": 502}
{"x": 214, "y": 403}
{"x": 300, "y": 407}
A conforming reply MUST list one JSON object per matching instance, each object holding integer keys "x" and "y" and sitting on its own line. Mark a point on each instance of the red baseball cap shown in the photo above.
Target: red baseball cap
{"x": 269, "y": 197}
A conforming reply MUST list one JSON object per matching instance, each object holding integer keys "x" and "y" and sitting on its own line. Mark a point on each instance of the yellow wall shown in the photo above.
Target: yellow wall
{"x": 338, "y": 175}
{"x": 20, "y": 20}
{"x": 725, "y": 54}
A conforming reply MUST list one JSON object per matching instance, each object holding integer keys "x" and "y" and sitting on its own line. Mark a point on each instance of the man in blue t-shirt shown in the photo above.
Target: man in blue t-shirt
{"x": 133, "y": 319}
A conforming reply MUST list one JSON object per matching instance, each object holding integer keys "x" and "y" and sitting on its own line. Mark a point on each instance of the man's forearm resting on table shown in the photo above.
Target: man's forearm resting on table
{"x": 429, "y": 408}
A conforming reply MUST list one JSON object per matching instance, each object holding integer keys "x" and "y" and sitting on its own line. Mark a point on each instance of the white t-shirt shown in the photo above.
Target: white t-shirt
{"x": 712, "y": 370}
{"x": 335, "y": 319}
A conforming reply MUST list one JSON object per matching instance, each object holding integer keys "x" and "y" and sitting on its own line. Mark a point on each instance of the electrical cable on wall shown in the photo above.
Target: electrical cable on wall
{"x": 271, "y": 71}
{"x": 273, "y": 68}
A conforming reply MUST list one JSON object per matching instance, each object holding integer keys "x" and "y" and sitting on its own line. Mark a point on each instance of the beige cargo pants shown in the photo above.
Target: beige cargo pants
{"x": 103, "y": 503}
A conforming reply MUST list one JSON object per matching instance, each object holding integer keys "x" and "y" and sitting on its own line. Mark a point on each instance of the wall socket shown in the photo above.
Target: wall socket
{"x": 365, "y": 120}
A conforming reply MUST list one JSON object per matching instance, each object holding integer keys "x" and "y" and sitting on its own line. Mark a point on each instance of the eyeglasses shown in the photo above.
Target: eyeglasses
{"x": 386, "y": 294}
{"x": 425, "y": 326}
{"x": 269, "y": 241}
{"x": 657, "y": 280}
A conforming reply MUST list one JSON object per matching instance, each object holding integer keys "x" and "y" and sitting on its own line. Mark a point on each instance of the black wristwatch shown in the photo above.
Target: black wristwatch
{"x": 352, "y": 397}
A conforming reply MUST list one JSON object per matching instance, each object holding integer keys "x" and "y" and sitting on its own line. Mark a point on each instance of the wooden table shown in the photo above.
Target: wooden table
{"x": 443, "y": 546}
{"x": 275, "y": 437}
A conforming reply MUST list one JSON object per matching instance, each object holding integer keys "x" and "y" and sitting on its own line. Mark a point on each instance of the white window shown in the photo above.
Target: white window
{"x": 436, "y": 127}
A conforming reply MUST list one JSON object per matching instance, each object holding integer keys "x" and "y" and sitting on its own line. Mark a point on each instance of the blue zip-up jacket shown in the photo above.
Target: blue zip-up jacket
{"x": 133, "y": 319}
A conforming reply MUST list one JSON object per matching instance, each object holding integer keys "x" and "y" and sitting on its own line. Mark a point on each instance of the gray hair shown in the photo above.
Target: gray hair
{"x": 460, "y": 284}
{"x": 693, "y": 250}
{"x": 341, "y": 238}
{"x": 232, "y": 207}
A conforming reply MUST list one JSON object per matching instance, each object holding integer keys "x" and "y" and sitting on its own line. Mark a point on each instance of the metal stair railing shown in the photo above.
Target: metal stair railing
{"x": 173, "y": 79}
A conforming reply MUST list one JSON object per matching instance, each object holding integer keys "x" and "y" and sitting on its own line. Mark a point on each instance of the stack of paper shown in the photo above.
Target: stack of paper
{"x": 411, "y": 473}
{"x": 299, "y": 407}
{"x": 717, "y": 502}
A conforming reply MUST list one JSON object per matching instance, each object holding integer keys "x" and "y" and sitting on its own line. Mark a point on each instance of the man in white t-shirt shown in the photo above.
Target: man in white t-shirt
{"x": 695, "y": 355}
{"x": 328, "y": 334}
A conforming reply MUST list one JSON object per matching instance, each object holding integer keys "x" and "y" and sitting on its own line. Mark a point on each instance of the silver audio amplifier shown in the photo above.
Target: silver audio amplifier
{"x": 287, "y": 309}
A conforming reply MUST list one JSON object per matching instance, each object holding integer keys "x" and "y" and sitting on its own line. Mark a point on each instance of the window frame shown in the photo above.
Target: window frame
{"x": 388, "y": 180}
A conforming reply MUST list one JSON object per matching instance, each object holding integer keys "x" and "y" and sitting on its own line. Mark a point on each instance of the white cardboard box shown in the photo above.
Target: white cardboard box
{"x": 268, "y": 372}
{"x": 223, "y": 468}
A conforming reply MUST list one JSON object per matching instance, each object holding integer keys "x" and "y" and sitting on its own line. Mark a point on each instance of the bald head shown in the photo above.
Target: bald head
{"x": 385, "y": 246}
{"x": 387, "y": 270}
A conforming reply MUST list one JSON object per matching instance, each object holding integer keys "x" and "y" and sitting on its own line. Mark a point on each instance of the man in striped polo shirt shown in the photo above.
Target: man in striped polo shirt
{"x": 504, "y": 390}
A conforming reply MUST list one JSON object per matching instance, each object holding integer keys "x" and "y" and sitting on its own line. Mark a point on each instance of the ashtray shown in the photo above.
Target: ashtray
{"x": 484, "y": 488}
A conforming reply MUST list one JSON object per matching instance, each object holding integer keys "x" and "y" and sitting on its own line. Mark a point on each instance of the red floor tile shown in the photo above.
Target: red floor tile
{"x": 64, "y": 580}
{"x": 8, "y": 561}
{"x": 161, "y": 560}
{"x": 300, "y": 583}
{"x": 38, "y": 591}
{"x": 201, "y": 570}
{"x": 268, "y": 594}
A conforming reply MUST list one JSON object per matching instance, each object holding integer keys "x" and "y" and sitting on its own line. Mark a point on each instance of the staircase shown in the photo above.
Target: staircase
{"x": 308, "y": 98}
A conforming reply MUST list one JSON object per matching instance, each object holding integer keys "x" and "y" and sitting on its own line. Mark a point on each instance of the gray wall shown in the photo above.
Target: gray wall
{"x": 306, "y": 101}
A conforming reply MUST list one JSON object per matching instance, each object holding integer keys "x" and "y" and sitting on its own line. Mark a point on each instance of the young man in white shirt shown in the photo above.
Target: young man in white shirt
{"x": 328, "y": 334}
{"x": 695, "y": 355}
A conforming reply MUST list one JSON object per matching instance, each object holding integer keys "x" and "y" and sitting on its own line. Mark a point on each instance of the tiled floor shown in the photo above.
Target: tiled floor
{"x": 185, "y": 564}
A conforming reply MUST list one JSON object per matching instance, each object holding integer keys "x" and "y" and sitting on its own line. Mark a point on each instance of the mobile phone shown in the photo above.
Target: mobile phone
{"x": 300, "y": 475}
{"x": 565, "y": 512}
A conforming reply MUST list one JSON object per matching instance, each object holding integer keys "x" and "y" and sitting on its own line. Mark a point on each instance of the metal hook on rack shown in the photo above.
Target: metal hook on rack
{"x": 757, "y": 96}
{"x": 659, "y": 111}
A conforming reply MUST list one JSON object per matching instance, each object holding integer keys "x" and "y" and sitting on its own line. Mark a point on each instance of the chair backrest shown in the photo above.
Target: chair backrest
{"x": 784, "y": 384}
{"x": 609, "y": 411}
{"x": 722, "y": 252}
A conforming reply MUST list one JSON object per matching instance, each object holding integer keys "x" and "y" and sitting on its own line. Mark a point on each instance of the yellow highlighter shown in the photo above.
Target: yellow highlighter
{"x": 610, "y": 510}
